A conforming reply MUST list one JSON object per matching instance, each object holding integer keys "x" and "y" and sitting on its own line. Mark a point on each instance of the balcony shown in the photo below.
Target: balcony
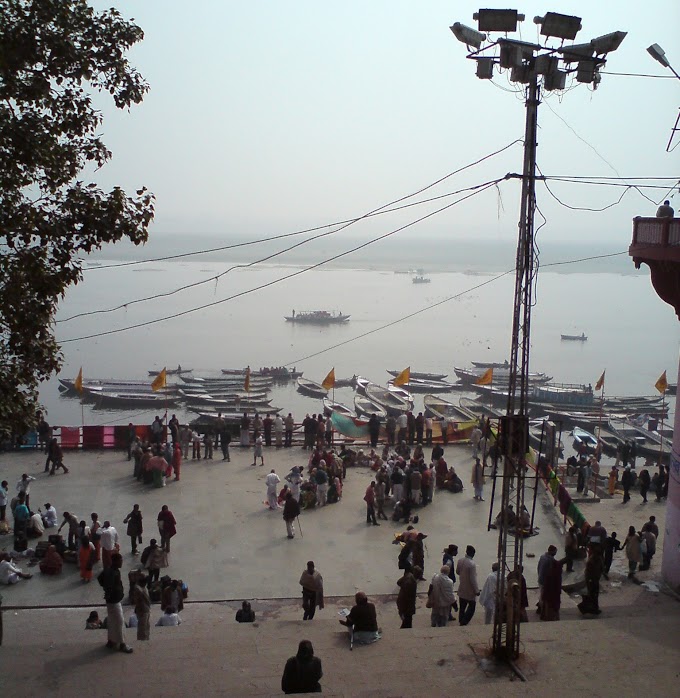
{"x": 656, "y": 242}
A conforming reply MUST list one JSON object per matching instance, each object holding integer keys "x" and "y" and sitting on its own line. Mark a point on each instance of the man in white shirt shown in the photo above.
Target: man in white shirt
{"x": 488, "y": 596}
{"x": 49, "y": 517}
{"x": 402, "y": 425}
{"x": 24, "y": 485}
{"x": 272, "y": 480}
{"x": 109, "y": 543}
{"x": 10, "y": 573}
{"x": 35, "y": 527}
{"x": 169, "y": 618}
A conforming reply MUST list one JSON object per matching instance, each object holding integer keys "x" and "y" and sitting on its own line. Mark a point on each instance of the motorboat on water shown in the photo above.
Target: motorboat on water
{"x": 418, "y": 375}
{"x": 574, "y": 337}
{"x": 317, "y": 317}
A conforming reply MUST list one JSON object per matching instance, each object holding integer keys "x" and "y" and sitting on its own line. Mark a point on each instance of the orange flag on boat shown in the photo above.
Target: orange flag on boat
{"x": 78, "y": 383}
{"x": 160, "y": 381}
{"x": 662, "y": 384}
{"x": 404, "y": 378}
{"x": 600, "y": 381}
{"x": 246, "y": 383}
{"x": 486, "y": 378}
{"x": 329, "y": 380}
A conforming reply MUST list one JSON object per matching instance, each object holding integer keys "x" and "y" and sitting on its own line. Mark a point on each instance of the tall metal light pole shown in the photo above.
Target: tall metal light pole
{"x": 659, "y": 55}
{"x": 534, "y": 65}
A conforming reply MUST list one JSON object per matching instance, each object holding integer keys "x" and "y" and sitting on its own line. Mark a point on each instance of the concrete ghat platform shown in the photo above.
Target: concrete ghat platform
{"x": 47, "y": 652}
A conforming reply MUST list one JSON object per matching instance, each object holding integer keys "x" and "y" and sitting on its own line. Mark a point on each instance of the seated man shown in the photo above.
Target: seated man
{"x": 453, "y": 483}
{"x": 10, "y": 573}
{"x": 508, "y": 516}
{"x": 35, "y": 527}
{"x": 49, "y": 516}
{"x": 363, "y": 620}
{"x": 169, "y": 617}
{"x": 52, "y": 562}
{"x": 245, "y": 614}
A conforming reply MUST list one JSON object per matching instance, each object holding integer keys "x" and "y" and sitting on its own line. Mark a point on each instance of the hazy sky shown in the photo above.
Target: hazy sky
{"x": 265, "y": 117}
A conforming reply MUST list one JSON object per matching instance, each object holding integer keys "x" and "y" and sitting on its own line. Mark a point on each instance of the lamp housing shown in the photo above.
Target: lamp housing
{"x": 658, "y": 54}
{"x": 555, "y": 81}
{"x": 467, "y": 35}
{"x": 559, "y": 26}
{"x": 497, "y": 20}
{"x": 485, "y": 68}
{"x": 608, "y": 42}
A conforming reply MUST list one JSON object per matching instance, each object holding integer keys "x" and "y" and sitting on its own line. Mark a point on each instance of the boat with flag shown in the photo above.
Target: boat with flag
{"x": 419, "y": 375}
{"x": 310, "y": 388}
{"x": 496, "y": 376}
{"x": 317, "y": 317}
{"x": 393, "y": 404}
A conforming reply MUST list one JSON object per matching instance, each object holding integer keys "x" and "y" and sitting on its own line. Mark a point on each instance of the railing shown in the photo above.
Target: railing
{"x": 657, "y": 232}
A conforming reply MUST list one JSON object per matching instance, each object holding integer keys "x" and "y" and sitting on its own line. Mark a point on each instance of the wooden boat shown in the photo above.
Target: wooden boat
{"x": 443, "y": 409}
{"x": 361, "y": 384}
{"x": 330, "y": 406}
{"x": 257, "y": 383}
{"x": 416, "y": 375}
{"x": 648, "y": 443}
{"x": 172, "y": 371}
{"x": 394, "y": 404}
{"x": 581, "y": 436}
{"x": 307, "y": 387}
{"x": 134, "y": 400}
{"x": 278, "y": 373}
{"x": 423, "y": 386}
{"x": 235, "y": 399}
{"x": 111, "y": 386}
{"x": 491, "y": 364}
{"x": 400, "y": 391}
{"x": 420, "y": 280}
{"x": 207, "y": 416}
{"x": 317, "y": 317}
{"x": 500, "y": 375}
{"x": 610, "y": 441}
{"x": 543, "y": 398}
{"x": 479, "y": 409}
{"x": 574, "y": 337}
{"x": 366, "y": 407}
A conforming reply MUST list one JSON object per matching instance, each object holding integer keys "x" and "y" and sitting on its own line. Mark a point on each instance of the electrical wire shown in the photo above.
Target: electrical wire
{"x": 318, "y": 227}
{"x": 479, "y": 190}
{"x": 247, "y": 265}
{"x": 639, "y": 75}
{"x": 582, "y": 208}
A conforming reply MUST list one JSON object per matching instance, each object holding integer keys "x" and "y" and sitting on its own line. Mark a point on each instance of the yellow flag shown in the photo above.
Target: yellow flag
{"x": 486, "y": 378}
{"x": 662, "y": 384}
{"x": 159, "y": 381}
{"x": 246, "y": 383}
{"x": 600, "y": 382}
{"x": 78, "y": 384}
{"x": 404, "y": 378}
{"x": 329, "y": 380}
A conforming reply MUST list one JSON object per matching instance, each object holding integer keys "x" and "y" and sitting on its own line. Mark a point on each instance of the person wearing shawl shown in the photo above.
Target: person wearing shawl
{"x": 52, "y": 562}
{"x": 311, "y": 582}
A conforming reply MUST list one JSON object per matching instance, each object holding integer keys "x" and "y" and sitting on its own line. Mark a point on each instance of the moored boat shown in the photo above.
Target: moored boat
{"x": 134, "y": 400}
{"x": 647, "y": 443}
{"x": 430, "y": 386}
{"x": 443, "y": 409}
{"x": 278, "y": 373}
{"x": 394, "y": 404}
{"x": 419, "y": 375}
{"x": 491, "y": 364}
{"x": 583, "y": 437}
{"x": 420, "y": 280}
{"x": 366, "y": 407}
{"x": 307, "y": 387}
{"x": 172, "y": 371}
{"x": 330, "y": 406}
{"x": 500, "y": 375}
{"x": 575, "y": 337}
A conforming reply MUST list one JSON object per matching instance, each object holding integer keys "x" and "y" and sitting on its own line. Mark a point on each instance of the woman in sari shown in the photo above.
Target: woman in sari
{"x": 87, "y": 556}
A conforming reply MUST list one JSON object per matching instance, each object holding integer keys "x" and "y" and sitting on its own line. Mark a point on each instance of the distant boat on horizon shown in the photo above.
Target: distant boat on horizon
{"x": 575, "y": 337}
{"x": 317, "y": 317}
{"x": 420, "y": 280}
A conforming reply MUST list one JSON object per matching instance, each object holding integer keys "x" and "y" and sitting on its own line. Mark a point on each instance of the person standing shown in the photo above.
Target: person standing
{"x": 24, "y": 486}
{"x": 225, "y": 440}
{"x": 302, "y": 672}
{"x": 258, "y": 452}
{"x": 441, "y": 597}
{"x": 648, "y": 548}
{"x": 369, "y": 498}
{"x": 245, "y": 430}
{"x": 478, "y": 479}
{"x": 109, "y": 542}
{"x": 311, "y": 582}
{"x": 626, "y": 483}
{"x": 321, "y": 479}
{"x": 278, "y": 431}
{"x": 468, "y": 589}
{"x": 374, "y": 430}
{"x": 570, "y": 548}
{"x": 550, "y": 575}
{"x": 633, "y": 546}
{"x": 406, "y": 599}
{"x": 289, "y": 424}
{"x": 70, "y": 520}
{"x": 611, "y": 545}
{"x": 402, "y": 426}
{"x": 291, "y": 510}
{"x": 487, "y": 597}
{"x": 379, "y": 491}
{"x": 167, "y": 527}
{"x": 4, "y": 495}
{"x": 267, "y": 424}
{"x": 591, "y": 603}
{"x": 544, "y": 563}
{"x": 134, "y": 527}
{"x": 185, "y": 438}
{"x": 645, "y": 482}
{"x": 475, "y": 438}
{"x": 86, "y": 559}
{"x": 153, "y": 559}
{"x": 272, "y": 480}
{"x": 142, "y": 602}
{"x": 391, "y": 429}
{"x": 112, "y": 584}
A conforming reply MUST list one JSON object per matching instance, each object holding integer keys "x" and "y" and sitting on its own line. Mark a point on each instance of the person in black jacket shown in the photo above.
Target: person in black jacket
{"x": 303, "y": 671}
{"x": 291, "y": 510}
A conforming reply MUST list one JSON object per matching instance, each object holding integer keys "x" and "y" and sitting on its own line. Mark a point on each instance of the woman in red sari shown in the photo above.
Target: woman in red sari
{"x": 87, "y": 556}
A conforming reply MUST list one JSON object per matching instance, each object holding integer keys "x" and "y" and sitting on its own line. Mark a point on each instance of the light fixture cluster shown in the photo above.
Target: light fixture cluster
{"x": 527, "y": 61}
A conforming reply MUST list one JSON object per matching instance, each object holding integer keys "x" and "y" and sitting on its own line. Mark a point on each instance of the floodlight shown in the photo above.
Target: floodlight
{"x": 497, "y": 20}
{"x": 521, "y": 73}
{"x": 555, "y": 81}
{"x": 559, "y": 26}
{"x": 608, "y": 42}
{"x": 586, "y": 71}
{"x": 485, "y": 68}
{"x": 546, "y": 65}
{"x": 658, "y": 54}
{"x": 577, "y": 52}
{"x": 467, "y": 35}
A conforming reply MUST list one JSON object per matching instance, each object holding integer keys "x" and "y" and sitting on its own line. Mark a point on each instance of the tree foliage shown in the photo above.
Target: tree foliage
{"x": 53, "y": 55}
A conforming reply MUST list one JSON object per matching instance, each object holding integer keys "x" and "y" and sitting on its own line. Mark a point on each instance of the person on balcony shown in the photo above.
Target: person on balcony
{"x": 665, "y": 210}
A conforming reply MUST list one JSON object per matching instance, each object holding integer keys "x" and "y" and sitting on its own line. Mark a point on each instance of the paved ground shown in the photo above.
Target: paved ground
{"x": 230, "y": 546}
